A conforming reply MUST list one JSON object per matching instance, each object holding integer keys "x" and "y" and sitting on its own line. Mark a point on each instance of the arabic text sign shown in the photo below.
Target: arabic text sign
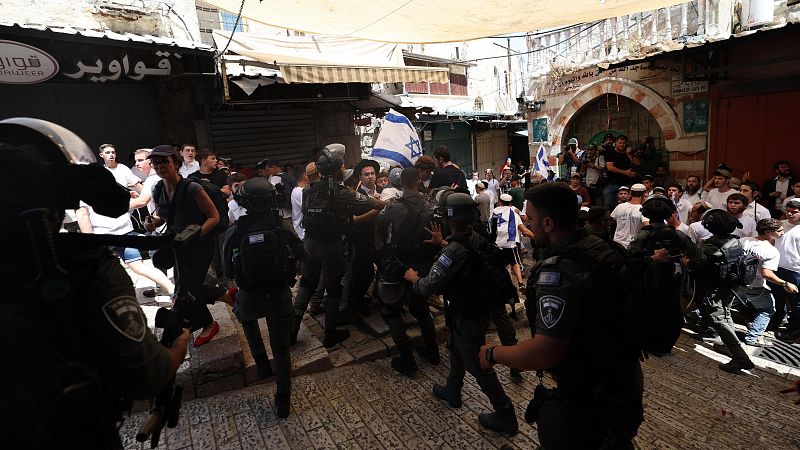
{"x": 680, "y": 87}
{"x": 104, "y": 70}
{"x": 24, "y": 64}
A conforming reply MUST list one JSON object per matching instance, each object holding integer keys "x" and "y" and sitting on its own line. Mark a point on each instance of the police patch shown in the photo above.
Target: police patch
{"x": 549, "y": 279}
{"x": 436, "y": 273}
{"x": 550, "y": 310}
{"x": 125, "y": 315}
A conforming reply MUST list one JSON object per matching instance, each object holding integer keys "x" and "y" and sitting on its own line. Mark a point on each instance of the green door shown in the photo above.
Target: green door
{"x": 456, "y": 136}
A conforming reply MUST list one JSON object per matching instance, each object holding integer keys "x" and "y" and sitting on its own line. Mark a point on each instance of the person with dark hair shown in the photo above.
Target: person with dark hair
{"x": 189, "y": 164}
{"x": 619, "y": 168}
{"x": 562, "y": 292}
{"x": 778, "y": 188}
{"x": 661, "y": 177}
{"x": 207, "y": 170}
{"x": 235, "y": 211}
{"x": 694, "y": 190}
{"x": 628, "y": 216}
{"x": 426, "y": 166}
{"x": 718, "y": 196}
{"x": 758, "y": 294}
{"x": 751, "y": 190}
{"x": 447, "y": 174}
{"x": 735, "y": 206}
{"x": 460, "y": 274}
{"x": 381, "y": 181}
{"x": 788, "y": 269}
{"x": 675, "y": 193}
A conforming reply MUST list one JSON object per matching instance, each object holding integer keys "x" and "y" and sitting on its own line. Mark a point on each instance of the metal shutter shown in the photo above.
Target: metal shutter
{"x": 250, "y": 133}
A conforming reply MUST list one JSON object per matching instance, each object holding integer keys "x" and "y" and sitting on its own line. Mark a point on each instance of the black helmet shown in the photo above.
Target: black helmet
{"x": 453, "y": 204}
{"x": 257, "y": 195}
{"x": 719, "y": 221}
{"x": 331, "y": 160}
{"x": 658, "y": 208}
{"x": 57, "y": 169}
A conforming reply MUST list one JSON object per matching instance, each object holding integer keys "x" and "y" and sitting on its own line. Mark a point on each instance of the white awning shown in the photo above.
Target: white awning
{"x": 326, "y": 59}
{"x": 431, "y": 20}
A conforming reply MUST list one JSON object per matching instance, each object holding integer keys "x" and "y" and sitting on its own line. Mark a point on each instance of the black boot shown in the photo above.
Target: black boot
{"x": 295, "y": 330}
{"x": 282, "y": 405}
{"x": 263, "y": 368}
{"x": 334, "y": 337}
{"x": 440, "y": 392}
{"x": 430, "y": 351}
{"x": 405, "y": 363}
{"x": 735, "y": 366}
{"x": 501, "y": 421}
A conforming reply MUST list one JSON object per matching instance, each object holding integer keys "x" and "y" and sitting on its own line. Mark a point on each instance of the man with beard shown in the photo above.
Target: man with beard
{"x": 571, "y": 334}
{"x": 693, "y": 193}
{"x": 779, "y": 188}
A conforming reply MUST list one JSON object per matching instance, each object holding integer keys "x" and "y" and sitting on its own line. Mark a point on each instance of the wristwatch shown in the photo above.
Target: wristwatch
{"x": 490, "y": 355}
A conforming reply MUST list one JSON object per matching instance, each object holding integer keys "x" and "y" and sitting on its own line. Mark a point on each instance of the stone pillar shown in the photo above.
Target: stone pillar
{"x": 654, "y": 27}
{"x": 668, "y": 23}
{"x": 684, "y": 19}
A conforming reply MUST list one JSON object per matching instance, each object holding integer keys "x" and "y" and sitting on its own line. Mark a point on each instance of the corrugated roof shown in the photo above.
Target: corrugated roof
{"x": 108, "y": 34}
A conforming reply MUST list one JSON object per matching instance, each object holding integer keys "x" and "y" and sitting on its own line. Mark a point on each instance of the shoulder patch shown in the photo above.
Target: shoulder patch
{"x": 445, "y": 260}
{"x": 551, "y": 308}
{"x": 549, "y": 279}
{"x": 361, "y": 197}
{"x": 125, "y": 315}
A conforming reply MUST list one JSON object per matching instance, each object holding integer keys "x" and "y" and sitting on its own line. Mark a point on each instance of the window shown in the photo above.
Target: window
{"x": 228, "y": 20}
{"x": 478, "y": 104}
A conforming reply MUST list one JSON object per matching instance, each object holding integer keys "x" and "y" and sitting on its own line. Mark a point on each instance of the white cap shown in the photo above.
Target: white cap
{"x": 506, "y": 198}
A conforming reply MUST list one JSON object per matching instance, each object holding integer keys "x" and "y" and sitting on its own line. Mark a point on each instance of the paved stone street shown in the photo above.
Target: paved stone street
{"x": 689, "y": 403}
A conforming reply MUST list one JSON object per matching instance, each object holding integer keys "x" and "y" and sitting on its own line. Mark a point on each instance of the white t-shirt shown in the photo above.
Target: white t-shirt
{"x": 698, "y": 232}
{"x": 389, "y": 193}
{"x": 109, "y": 225}
{"x": 629, "y": 222}
{"x": 719, "y": 199}
{"x": 593, "y": 175}
{"x": 757, "y": 212}
{"x": 187, "y": 169}
{"x": 781, "y": 186}
{"x": 297, "y": 212}
{"x": 748, "y": 227}
{"x": 124, "y": 176}
{"x": 693, "y": 198}
{"x": 789, "y": 247}
{"x": 683, "y": 228}
{"x": 507, "y": 222}
{"x": 684, "y": 207}
{"x": 235, "y": 211}
{"x": 147, "y": 186}
{"x": 493, "y": 187}
{"x": 768, "y": 257}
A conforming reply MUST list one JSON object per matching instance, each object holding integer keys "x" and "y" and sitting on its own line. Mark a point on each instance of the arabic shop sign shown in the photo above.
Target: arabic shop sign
{"x": 113, "y": 69}
{"x": 24, "y": 64}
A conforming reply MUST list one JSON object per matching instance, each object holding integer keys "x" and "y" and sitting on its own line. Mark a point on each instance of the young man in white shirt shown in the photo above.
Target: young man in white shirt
{"x": 675, "y": 193}
{"x": 758, "y": 293}
{"x": 789, "y": 270}
{"x": 736, "y": 205}
{"x": 629, "y": 217}
{"x": 121, "y": 172}
{"x": 304, "y": 177}
{"x": 235, "y": 181}
{"x": 697, "y": 231}
{"x": 750, "y": 189}
{"x": 190, "y": 164}
{"x": 509, "y": 226}
{"x": 718, "y": 197}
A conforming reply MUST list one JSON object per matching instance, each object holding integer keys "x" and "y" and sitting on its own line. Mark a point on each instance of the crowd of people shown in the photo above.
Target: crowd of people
{"x": 366, "y": 238}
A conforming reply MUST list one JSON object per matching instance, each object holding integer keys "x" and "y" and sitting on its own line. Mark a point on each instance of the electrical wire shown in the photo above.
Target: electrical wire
{"x": 540, "y": 49}
{"x": 380, "y": 18}
{"x": 235, "y": 25}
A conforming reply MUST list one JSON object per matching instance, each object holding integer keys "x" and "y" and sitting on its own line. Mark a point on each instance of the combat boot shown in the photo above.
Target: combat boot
{"x": 263, "y": 368}
{"x": 735, "y": 366}
{"x": 405, "y": 363}
{"x": 501, "y": 421}
{"x": 333, "y": 337}
{"x": 282, "y": 406}
{"x": 430, "y": 351}
{"x": 440, "y": 392}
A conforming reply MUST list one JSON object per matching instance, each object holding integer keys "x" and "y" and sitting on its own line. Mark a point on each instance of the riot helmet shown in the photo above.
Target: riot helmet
{"x": 719, "y": 221}
{"x": 456, "y": 205}
{"x": 331, "y": 160}
{"x": 257, "y": 195}
{"x": 658, "y": 208}
{"x": 57, "y": 169}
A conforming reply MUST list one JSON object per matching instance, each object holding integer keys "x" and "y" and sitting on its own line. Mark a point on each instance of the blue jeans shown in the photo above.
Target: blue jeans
{"x": 785, "y": 301}
{"x": 762, "y": 302}
{"x": 610, "y": 196}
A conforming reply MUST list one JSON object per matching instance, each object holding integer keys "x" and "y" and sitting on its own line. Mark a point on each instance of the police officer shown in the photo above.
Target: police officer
{"x": 76, "y": 347}
{"x": 328, "y": 208}
{"x": 574, "y": 334}
{"x": 402, "y": 223}
{"x": 466, "y": 313}
{"x": 260, "y": 252}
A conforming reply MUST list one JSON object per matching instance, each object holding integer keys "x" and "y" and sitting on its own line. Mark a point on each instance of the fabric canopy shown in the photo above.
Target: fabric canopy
{"x": 328, "y": 59}
{"x": 421, "y": 21}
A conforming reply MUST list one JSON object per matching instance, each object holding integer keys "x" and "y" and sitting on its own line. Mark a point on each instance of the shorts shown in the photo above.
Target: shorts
{"x": 511, "y": 256}
{"x": 127, "y": 255}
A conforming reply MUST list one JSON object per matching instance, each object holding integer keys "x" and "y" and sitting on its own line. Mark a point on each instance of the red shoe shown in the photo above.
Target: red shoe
{"x": 232, "y": 294}
{"x": 200, "y": 341}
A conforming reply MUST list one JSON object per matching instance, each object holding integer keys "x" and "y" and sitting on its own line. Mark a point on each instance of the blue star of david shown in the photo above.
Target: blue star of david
{"x": 499, "y": 218}
{"x": 411, "y": 143}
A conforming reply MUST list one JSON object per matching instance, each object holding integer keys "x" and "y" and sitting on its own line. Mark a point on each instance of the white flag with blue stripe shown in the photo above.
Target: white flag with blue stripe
{"x": 398, "y": 141}
{"x": 541, "y": 165}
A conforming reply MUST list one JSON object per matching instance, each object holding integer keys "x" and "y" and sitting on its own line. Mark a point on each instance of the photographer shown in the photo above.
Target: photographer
{"x": 74, "y": 339}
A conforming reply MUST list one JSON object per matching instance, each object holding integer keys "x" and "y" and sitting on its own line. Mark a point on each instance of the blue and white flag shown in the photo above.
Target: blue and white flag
{"x": 541, "y": 165}
{"x": 398, "y": 141}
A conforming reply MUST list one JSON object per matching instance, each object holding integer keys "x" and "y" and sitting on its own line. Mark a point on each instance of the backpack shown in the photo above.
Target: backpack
{"x": 214, "y": 192}
{"x": 284, "y": 188}
{"x": 734, "y": 267}
{"x": 408, "y": 239}
{"x": 263, "y": 259}
{"x": 489, "y": 278}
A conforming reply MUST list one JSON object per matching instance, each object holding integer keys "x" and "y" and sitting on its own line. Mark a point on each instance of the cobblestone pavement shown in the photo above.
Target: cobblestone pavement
{"x": 689, "y": 403}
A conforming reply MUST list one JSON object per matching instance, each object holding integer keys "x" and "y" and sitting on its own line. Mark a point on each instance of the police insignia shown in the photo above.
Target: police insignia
{"x": 124, "y": 314}
{"x": 550, "y": 310}
{"x": 549, "y": 279}
{"x": 445, "y": 260}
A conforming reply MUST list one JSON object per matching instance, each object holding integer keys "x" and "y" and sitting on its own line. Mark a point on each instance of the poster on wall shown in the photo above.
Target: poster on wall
{"x": 540, "y": 129}
{"x": 695, "y": 116}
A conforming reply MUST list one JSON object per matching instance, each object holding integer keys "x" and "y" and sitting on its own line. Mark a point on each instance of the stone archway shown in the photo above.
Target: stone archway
{"x": 648, "y": 98}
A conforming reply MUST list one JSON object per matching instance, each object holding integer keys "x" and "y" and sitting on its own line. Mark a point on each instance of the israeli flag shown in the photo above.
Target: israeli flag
{"x": 398, "y": 141}
{"x": 541, "y": 165}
